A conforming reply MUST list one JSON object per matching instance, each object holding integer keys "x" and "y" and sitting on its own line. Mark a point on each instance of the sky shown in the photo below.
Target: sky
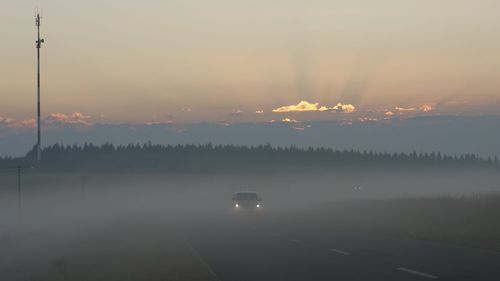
{"x": 227, "y": 61}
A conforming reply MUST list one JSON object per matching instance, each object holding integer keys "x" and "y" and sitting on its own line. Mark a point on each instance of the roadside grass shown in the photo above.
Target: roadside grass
{"x": 472, "y": 220}
{"x": 125, "y": 249}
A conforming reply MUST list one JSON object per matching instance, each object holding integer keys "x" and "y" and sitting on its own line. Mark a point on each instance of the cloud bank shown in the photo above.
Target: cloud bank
{"x": 305, "y": 106}
{"x": 12, "y": 123}
{"x": 73, "y": 118}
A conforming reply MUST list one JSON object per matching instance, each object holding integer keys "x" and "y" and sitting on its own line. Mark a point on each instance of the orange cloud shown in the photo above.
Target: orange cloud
{"x": 73, "y": 118}
{"x": 426, "y": 107}
{"x": 305, "y": 106}
{"x": 340, "y": 107}
{"x": 300, "y": 107}
{"x": 10, "y": 122}
{"x": 403, "y": 109}
{"x": 288, "y": 120}
{"x": 6, "y": 121}
{"x": 31, "y": 123}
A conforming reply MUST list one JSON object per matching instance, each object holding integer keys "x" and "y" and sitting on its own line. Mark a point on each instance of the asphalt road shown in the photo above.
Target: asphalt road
{"x": 246, "y": 246}
{"x": 224, "y": 245}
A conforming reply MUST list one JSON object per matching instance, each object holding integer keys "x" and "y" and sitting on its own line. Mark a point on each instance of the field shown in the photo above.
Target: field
{"x": 471, "y": 221}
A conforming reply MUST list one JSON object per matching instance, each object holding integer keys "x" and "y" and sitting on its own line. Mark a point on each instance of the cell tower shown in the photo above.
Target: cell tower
{"x": 38, "y": 46}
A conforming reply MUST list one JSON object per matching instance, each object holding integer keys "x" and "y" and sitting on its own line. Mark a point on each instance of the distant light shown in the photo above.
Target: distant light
{"x": 236, "y": 205}
{"x": 258, "y": 206}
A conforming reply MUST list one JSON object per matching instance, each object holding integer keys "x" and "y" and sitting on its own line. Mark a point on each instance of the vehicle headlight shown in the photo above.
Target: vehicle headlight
{"x": 258, "y": 206}
{"x": 236, "y": 205}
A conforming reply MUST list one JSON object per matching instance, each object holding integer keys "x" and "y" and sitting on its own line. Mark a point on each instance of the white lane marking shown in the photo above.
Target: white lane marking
{"x": 198, "y": 257}
{"x": 294, "y": 240}
{"x": 411, "y": 271}
{"x": 340, "y": 252}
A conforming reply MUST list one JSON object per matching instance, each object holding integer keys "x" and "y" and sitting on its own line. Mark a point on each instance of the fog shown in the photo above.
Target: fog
{"x": 61, "y": 218}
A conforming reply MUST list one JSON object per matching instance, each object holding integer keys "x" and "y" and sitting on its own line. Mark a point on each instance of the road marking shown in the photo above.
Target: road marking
{"x": 198, "y": 257}
{"x": 294, "y": 240}
{"x": 340, "y": 252}
{"x": 411, "y": 271}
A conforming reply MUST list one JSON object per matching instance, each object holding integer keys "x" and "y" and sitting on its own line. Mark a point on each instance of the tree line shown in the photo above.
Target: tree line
{"x": 209, "y": 157}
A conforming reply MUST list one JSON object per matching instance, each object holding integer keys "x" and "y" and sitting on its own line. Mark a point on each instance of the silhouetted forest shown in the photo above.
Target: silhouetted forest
{"x": 153, "y": 158}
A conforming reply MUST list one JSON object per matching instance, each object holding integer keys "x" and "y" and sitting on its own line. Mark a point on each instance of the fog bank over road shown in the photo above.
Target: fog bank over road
{"x": 119, "y": 226}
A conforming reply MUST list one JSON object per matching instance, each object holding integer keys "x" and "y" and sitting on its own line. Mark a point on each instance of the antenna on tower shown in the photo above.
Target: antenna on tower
{"x": 38, "y": 42}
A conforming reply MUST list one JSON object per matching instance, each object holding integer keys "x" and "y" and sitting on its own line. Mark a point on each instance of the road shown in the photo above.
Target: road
{"x": 245, "y": 246}
{"x": 224, "y": 245}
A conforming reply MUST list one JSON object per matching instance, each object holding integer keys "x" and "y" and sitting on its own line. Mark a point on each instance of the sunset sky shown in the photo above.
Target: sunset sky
{"x": 250, "y": 60}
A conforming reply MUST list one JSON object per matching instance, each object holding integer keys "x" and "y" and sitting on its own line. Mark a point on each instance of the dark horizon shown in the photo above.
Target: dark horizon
{"x": 231, "y": 158}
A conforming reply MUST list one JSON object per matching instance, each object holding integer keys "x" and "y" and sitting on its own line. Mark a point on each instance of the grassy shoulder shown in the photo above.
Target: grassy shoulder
{"x": 471, "y": 221}
{"x": 121, "y": 250}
